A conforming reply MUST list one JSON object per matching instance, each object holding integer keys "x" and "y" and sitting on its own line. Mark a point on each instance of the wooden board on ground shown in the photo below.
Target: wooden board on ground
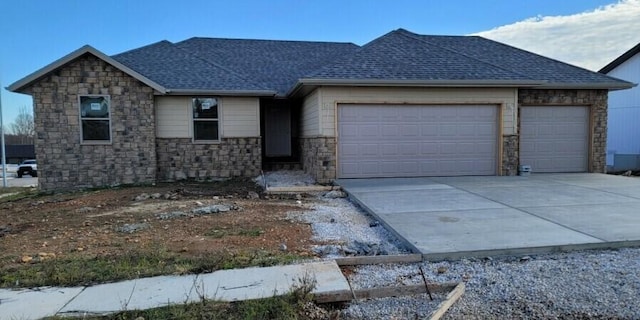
{"x": 382, "y": 292}
{"x": 362, "y": 260}
{"x": 455, "y": 291}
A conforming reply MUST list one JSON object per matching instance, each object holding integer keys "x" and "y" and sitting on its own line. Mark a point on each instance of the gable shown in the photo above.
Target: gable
{"x": 22, "y": 84}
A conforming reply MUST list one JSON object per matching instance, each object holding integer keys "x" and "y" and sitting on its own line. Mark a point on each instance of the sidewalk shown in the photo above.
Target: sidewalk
{"x": 147, "y": 293}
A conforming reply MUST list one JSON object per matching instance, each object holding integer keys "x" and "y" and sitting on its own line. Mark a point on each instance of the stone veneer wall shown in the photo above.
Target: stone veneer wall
{"x": 596, "y": 99}
{"x": 319, "y": 158}
{"x": 65, "y": 163}
{"x": 510, "y": 155}
{"x": 180, "y": 158}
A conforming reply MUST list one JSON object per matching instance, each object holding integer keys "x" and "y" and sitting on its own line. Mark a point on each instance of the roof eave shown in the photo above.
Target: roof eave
{"x": 242, "y": 93}
{"x": 622, "y": 85}
{"x": 412, "y": 83}
{"x": 19, "y": 85}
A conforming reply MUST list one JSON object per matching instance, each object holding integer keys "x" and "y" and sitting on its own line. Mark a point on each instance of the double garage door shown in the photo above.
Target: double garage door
{"x": 454, "y": 140}
{"x": 416, "y": 140}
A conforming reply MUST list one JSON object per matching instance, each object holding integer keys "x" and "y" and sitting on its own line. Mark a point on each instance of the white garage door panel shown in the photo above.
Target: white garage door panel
{"x": 406, "y": 141}
{"x": 554, "y": 138}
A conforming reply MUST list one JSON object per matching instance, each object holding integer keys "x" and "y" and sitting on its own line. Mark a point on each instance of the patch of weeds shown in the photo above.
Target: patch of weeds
{"x": 17, "y": 193}
{"x": 76, "y": 271}
{"x": 221, "y": 233}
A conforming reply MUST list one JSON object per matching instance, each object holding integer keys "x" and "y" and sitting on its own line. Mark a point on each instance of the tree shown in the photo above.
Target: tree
{"x": 23, "y": 126}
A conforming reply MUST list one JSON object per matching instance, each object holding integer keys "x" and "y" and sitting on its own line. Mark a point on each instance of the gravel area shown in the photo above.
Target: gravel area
{"x": 285, "y": 178}
{"x": 592, "y": 284}
{"x": 598, "y": 284}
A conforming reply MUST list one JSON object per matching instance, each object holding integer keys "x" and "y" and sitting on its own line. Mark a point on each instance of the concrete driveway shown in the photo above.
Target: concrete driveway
{"x": 452, "y": 217}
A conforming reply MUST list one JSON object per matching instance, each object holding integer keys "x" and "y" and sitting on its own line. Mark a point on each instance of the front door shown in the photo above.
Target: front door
{"x": 278, "y": 131}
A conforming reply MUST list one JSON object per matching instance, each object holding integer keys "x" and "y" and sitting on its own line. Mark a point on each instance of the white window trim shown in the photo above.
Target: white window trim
{"x": 192, "y": 120}
{"x": 94, "y": 142}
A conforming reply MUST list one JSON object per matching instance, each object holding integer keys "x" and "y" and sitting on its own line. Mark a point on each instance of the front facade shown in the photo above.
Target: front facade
{"x": 103, "y": 121}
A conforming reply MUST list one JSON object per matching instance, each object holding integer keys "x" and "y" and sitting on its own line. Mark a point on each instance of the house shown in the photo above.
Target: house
{"x": 623, "y": 131}
{"x": 17, "y": 153}
{"x": 402, "y": 105}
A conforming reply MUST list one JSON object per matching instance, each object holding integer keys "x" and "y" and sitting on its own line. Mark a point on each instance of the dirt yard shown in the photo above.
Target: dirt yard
{"x": 109, "y": 221}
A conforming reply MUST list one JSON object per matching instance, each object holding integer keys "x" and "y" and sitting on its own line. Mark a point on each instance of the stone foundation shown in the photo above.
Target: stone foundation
{"x": 319, "y": 158}
{"x": 64, "y": 162}
{"x": 510, "y": 155}
{"x": 595, "y": 99}
{"x": 180, "y": 159}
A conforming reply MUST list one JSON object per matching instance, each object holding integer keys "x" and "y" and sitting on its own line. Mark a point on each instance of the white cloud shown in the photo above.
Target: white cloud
{"x": 590, "y": 39}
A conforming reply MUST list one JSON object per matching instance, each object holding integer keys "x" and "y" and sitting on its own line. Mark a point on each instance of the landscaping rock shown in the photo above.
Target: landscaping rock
{"x": 4, "y": 230}
{"x": 155, "y": 195}
{"x": 141, "y": 197}
{"x": 133, "y": 227}
{"x": 85, "y": 209}
{"x": 253, "y": 195}
{"x": 358, "y": 248}
{"x": 170, "y": 196}
{"x": 335, "y": 194}
{"x": 172, "y": 215}
{"x": 216, "y": 208}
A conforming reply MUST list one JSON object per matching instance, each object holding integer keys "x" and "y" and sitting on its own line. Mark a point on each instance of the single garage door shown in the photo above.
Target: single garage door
{"x": 554, "y": 138}
{"x": 416, "y": 140}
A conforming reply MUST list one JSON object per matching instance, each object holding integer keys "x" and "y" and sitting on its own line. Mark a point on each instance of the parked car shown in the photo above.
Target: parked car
{"x": 29, "y": 167}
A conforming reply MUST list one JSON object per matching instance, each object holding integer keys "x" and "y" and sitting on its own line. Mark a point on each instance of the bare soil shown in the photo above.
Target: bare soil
{"x": 86, "y": 224}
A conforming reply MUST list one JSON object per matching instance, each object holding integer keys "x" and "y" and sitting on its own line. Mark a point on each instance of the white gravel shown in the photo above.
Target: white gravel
{"x": 285, "y": 178}
{"x": 594, "y": 284}
{"x": 599, "y": 284}
{"x": 346, "y": 229}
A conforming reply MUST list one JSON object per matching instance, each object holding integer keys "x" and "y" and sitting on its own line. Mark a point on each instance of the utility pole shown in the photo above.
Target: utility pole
{"x": 4, "y": 153}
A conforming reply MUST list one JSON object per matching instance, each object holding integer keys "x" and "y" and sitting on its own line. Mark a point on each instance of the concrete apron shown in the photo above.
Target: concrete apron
{"x": 154, "y": 292}
{"x": 454, "y": 217}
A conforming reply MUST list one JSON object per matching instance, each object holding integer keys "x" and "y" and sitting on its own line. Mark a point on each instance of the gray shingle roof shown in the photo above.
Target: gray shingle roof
{"x": 276, "y": 67}
{"x": 399, "y": 56}
{"x": 177, "y": 69}
{"x": 402, "y": 55}
{"x": 510, "y": 58}
{"x": 274, "y": 64}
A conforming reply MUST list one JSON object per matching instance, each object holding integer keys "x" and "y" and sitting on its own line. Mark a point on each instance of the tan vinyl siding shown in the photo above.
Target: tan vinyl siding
{"x": 310, "y": 115}
{"x": 173, "y": 117}
{"x": 240, "y": 117}
{"x": 329, "y": 97}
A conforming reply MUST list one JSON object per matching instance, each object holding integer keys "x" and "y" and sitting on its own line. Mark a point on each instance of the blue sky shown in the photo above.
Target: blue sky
{"x": 35, "y": 33}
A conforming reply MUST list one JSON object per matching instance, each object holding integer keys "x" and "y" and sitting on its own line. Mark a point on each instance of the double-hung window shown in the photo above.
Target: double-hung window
{"x": 205, "y": 119}
{"x": 95, "y": 121}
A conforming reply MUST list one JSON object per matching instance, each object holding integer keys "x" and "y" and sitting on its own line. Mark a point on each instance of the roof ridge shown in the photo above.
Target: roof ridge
{"x": 418, "y": 37}
{"x": 232, "y": 72}
{"x": 145, "y": 46}
{"x": 267, "y": 40}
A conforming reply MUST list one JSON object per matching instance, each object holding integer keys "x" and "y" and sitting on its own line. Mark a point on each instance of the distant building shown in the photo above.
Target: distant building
{"x": 623, "y": 134}
{"x": 19, "y": 152}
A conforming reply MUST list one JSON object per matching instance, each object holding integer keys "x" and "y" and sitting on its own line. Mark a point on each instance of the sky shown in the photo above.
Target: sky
{"x": 34, "y": 33}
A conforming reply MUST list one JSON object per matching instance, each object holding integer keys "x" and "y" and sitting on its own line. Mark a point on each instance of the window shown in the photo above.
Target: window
{"x": 94, "y": 119}
{"x": 205, "y": 119}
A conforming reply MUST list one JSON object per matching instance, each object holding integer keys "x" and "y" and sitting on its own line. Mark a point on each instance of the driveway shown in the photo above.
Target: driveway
{"x": 452, "y": 217}
{"x": 25, "y": 181}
